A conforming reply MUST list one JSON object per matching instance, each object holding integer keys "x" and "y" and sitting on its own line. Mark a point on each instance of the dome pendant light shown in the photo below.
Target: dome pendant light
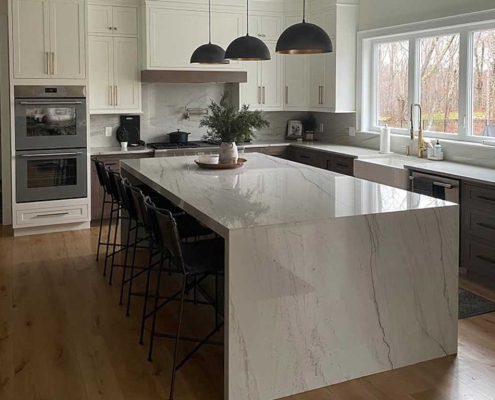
{"x": 304, "y": 38}
{"x": 209, "y": 53}
{"x": 247, "y": 48}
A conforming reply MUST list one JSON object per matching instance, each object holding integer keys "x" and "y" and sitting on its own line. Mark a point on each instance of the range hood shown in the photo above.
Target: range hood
{"x": 162, "y": 76}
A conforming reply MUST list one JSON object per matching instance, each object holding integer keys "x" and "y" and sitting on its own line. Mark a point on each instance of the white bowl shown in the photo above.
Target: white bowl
{"x": 209, "y": 159}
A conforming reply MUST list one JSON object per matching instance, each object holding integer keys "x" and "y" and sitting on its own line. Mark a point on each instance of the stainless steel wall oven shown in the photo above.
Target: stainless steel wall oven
{"x": 50, "y": 143}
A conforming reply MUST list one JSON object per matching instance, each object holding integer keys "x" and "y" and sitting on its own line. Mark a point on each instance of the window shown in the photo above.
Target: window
{"x": 392, "y": 93}
{"x": 484, "y": 83}
{"x": 439, "y": 68}
{"x": 448, "y": 66}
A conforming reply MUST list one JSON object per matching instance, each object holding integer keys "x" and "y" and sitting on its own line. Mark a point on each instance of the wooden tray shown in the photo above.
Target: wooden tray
{"x": 239, "y": 164}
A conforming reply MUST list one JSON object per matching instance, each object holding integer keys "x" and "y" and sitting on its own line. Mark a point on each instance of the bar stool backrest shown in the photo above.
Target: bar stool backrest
{"x": 166, "y": 233}
{"x": 100, "y": 171}
{"x": 139, "y": 200}
{"x": 125, "y": 189}
{"x": 113, "y": 178}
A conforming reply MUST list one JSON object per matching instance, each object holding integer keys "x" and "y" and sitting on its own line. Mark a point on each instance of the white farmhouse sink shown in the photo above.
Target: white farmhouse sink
{"x": 386, "y": 169}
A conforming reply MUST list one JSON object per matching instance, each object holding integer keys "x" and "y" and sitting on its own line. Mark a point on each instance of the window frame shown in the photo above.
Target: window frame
{"x": 368, "y": 41}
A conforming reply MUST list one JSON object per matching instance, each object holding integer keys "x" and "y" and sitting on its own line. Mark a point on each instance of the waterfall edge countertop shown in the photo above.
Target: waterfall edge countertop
{"x": 328, "y": 278}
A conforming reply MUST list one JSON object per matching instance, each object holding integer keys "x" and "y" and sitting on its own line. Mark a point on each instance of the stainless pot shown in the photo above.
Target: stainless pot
{"x": 178, "y": 137}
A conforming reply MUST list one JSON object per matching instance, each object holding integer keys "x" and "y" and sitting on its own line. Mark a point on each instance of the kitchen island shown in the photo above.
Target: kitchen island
{"x": 328, "y": 278}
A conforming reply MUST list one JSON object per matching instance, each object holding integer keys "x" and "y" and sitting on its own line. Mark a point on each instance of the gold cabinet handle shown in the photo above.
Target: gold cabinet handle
{"x": 110, "y": 95}
{"x": 259, "y": 94}
{"x": 53, "y": 63}
{"x": 110, "y": 28}
{"x": 323, "y": 95}
{"x": 47, "y": 63}
{"x": 264, "y": 94}
{"x": 287, "y": 94}
{"x": 116, "y": 101}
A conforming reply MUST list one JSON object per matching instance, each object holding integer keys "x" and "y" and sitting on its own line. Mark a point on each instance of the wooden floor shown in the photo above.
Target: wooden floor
{"x": 64, "y": 336}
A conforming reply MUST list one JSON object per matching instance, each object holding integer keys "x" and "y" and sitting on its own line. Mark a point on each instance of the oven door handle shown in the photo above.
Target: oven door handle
{"x": 49, "y": 103}
{"x": 443, "y": 185}
{"x": 50, "y": 154}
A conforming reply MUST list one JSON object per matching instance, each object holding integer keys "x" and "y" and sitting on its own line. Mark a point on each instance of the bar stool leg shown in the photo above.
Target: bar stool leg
{"x": 177, "y": 339}
{"x": 145, "y": 304}
{"x": 157, "y": 296}
{"x": 108, "y": 238}
{"x": 115, "y": 245}
{"x": 133, "y": 263}
{"x": 124, "y": 273}
{"x": 101, "y": 226}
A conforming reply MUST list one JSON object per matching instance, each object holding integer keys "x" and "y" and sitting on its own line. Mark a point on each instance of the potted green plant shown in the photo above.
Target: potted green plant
{"x": 123, "y": 138}
{"x": 309, "y": 126}
{"x": 229, "y": 125}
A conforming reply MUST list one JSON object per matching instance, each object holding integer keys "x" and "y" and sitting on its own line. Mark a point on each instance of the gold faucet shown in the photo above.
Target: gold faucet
{"x": 421, "y": 143}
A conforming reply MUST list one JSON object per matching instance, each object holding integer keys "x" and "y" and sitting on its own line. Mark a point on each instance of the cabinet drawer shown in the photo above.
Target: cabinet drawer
{"x": 305, "y": 157}
{"x": 478, "y": 197}
{"x": 343, "y": 165}
{"x": 479, "y": 224}
{"x": 52, "y": 215}
{"x": 478, "y": 257}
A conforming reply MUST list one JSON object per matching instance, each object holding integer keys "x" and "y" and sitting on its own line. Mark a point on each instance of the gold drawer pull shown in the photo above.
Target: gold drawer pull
{"x": 486, "y": 259}
{"x": 60, "y": 214}
{"x": 485, "y": 225}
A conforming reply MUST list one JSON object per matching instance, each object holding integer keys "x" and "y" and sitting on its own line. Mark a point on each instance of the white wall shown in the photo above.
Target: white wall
{"x": 382, "y": 13}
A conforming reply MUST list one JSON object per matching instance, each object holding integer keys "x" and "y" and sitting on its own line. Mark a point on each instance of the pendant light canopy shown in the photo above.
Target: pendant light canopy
{"x": 247, "y": 48}
{"x": 304, "y": 38}
{"x": 209, "y": 53}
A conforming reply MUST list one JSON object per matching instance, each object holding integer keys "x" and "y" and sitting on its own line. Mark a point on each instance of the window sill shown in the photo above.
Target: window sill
{"x": 443, "y": 141}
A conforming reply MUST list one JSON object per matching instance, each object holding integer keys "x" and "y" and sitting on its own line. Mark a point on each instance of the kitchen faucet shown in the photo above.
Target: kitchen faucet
{"x": 421, "y": 142}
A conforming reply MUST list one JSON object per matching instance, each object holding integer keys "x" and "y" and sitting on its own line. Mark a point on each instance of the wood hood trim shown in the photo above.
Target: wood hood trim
{"x": 162, "y": 76}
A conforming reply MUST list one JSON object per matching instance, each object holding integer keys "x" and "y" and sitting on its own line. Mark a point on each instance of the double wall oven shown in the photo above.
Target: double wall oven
{"x": 50, "y": 143}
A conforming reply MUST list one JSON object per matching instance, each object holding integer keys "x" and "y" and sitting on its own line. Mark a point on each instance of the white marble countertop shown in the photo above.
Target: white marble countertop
{"x": 269, "y": 191}
{"x": 455, "y": 170}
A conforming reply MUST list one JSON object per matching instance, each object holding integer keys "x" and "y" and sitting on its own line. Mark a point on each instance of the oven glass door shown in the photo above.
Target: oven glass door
{"x": 51, "y": 175}
{"x": 49, "y": 124}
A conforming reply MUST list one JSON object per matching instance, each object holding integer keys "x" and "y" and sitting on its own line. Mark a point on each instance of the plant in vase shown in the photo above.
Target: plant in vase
{"x": 228, "y": 125}
{"x": 123, "y": 138}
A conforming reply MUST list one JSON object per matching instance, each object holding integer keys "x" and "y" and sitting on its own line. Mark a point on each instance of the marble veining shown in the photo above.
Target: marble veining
{"x": 268, "y": 191}
{"x": 328, "y": 278}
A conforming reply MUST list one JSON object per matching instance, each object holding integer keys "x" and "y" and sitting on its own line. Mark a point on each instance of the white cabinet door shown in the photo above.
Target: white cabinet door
{"x": 225, "y": 28}
{"x": 317, "y": 79}
{"x": 125, "y": 21}
{"x": 174, "y": 35}
{"x": 251, "y": 91}
{"x": 271, "y": 77}
{"x": 101, "y": 75}
{"x": 31, "y": 38}
{"x": 271, "y": 27}
{"x": 67, "y": 39}
{"x": 126, "y": 73}
{"x": 296, "y": 77}
{"x": 100, "y": 19}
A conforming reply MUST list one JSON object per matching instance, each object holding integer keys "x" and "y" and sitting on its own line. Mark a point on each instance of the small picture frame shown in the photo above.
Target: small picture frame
{"x": 294, "y": 129}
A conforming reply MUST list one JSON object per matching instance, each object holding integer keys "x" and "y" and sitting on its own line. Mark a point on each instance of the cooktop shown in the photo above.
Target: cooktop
{"x": 174, "y": 146}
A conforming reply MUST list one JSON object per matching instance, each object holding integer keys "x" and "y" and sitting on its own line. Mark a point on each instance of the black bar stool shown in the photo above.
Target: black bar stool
{"x": 193, "y": 262}
{"x": 190, "y": 230}
{"x": 101, "y": 172}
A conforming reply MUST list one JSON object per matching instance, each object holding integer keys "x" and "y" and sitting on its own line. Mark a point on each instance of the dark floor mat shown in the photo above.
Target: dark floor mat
{"x": 471, "y": 304}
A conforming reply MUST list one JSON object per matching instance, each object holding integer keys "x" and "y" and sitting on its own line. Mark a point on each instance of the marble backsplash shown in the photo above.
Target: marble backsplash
{"x": 163, "y": 111}
{"x": 336, "y": 130}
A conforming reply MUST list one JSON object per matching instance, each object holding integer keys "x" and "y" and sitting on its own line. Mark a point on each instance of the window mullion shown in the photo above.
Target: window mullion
{"x": 465, "y": 95}
{"x": 414, "y": 74}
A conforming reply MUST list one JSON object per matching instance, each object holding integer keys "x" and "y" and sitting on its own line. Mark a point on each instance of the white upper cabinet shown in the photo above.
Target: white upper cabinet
{"x": 265, "y": 27}
{"x": 67, "y": 39}
{"x": 126, "y": 74}
{"x": 113, "y": 20}
{"x": 101, "y": 73}
{"x": 49, "y": 39}
{"x": 173, "y": 35}
{"x": 332, "y": 75}
{"x": 31, "y": 39}
{"x": 296, "y": 76}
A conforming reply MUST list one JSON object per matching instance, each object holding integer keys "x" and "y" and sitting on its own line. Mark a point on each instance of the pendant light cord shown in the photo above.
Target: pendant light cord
{"x": 304, "y": 11}
{"x": 247, "y": 16}
{"x": 209, "y": 21}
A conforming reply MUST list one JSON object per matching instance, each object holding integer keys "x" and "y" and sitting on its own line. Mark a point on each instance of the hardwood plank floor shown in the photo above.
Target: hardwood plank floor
{"x": 63, "y": 336}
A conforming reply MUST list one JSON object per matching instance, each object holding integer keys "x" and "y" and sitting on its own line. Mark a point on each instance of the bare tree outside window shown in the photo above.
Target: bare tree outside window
{"x": 392, "y": 85}
{"x": 439, "y": 65}
{"x": 484, "y": 83}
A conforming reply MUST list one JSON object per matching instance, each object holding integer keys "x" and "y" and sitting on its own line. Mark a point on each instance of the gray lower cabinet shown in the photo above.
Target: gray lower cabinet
{"x": 478, "y": 230}
{"x": 284, "y": 152}
{"x": 112, "y": 162}
{"x": 331, "y": 162}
